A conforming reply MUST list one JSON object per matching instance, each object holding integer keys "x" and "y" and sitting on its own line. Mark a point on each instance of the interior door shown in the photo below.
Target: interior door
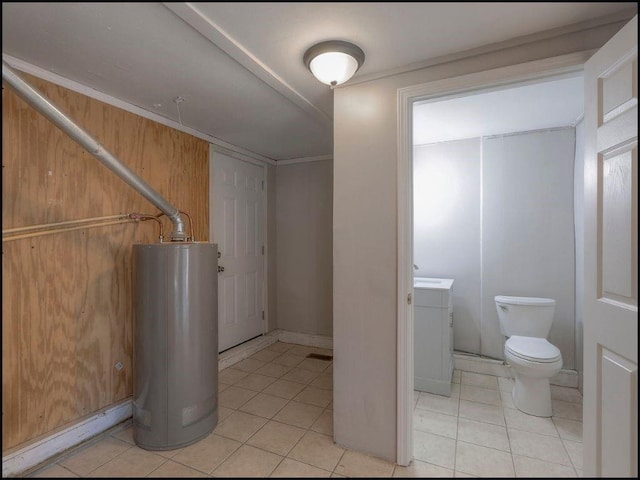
{"x": 238, "y": 219}
{"x": 610, "y": 421}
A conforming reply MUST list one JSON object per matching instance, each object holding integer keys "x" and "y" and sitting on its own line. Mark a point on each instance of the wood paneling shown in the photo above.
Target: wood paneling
{"x": 67, "y": 297}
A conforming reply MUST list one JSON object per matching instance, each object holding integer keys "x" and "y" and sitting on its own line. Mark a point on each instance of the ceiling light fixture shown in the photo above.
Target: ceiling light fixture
{"x": 334, "y": 62}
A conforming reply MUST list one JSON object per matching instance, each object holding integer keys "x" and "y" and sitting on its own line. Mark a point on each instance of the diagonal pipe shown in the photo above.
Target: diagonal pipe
{"x": 38, "y": 101}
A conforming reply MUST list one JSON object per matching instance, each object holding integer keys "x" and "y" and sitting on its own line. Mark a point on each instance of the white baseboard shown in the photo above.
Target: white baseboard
{"x": 24, "y": 459}
{"x": 38, "y": 452}
{"x": 489, "y": 366}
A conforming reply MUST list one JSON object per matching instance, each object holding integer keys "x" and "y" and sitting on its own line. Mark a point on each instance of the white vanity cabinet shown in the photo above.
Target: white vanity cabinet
{"x": 433, "y": 335}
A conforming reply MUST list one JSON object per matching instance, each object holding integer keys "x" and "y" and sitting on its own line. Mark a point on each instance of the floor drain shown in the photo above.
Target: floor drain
{"x": 317, "y": 356}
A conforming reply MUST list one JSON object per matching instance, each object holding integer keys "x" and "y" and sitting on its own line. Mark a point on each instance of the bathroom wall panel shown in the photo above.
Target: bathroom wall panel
{"x": 67, "y": 298}
{"x": 446, "y": 224}
{"x": 528, "y": 246}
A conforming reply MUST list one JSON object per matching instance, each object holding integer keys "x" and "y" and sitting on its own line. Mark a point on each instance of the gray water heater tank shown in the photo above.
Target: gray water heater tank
{"x": 176, "y": 344}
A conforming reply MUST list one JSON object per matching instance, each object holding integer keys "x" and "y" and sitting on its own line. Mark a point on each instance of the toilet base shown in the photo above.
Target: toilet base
{"x": 532, "y": 395}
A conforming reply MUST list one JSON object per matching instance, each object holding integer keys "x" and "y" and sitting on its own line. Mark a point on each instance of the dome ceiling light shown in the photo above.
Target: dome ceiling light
{"x": 333, "y": 62}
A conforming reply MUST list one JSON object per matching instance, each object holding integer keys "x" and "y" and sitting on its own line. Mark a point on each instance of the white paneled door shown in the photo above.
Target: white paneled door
{"x": 238, "y": 220}
{"x": 610, "y": 420}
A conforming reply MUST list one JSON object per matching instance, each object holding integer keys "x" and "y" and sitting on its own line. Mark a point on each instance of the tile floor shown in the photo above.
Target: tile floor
{"x": 276, "y": 420}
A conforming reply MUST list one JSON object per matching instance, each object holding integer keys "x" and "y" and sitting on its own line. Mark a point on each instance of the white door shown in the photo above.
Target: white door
{"x": 610, "y": 421}
{"x": 238, "y": 219}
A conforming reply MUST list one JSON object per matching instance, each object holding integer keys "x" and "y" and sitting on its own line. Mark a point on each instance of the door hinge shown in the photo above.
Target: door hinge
{"x": 409, "y": 299}
{"x": 263, "y": 314}
{"x": 263, "y": 249}
{"x": 262, "y": 181}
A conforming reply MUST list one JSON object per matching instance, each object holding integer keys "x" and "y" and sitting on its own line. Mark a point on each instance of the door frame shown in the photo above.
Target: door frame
{"x": 213, "y": 149}
{"x": 406, "y": 97}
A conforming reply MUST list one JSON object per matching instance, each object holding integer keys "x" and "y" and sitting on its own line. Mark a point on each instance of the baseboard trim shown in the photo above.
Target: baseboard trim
{"x": 490, "y": 366}
{"x": 24, "y": 459}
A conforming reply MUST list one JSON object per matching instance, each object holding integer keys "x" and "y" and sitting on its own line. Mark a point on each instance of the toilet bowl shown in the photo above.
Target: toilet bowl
{"x": 526, "y": 322}
{"x": 534, "y": 362}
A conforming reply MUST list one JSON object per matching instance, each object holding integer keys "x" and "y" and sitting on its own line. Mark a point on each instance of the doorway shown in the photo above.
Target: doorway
{"x": 451, "y": 88}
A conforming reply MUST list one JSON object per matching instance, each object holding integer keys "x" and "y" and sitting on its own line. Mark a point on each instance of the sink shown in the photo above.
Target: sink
{"x": 432, "y": 283}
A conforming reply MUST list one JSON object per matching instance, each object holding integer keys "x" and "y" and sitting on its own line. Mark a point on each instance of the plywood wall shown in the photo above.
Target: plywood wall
{"x": 67, "y": 297}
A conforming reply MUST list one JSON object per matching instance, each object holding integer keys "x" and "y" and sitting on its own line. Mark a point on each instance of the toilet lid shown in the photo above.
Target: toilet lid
{"x": 533, "y": 349}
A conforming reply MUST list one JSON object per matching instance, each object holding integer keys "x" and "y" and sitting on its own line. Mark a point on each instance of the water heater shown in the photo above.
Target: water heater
{"x": 176, "y": 343}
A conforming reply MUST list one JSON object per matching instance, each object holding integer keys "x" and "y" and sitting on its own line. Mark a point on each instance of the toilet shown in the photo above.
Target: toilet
{"x": 526, "y": 322}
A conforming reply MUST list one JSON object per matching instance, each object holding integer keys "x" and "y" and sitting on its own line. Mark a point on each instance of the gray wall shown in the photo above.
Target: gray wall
{"x": 528, "y": 231}
{"x": 272, "y": 251}
{"x": 446, "y": 228}
{"x": 364, "y": 236}
{"x": 304, "y": 205}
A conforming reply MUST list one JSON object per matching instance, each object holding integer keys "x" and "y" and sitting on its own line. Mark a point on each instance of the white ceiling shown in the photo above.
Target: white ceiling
{"x": 552, "y": 103}
{"x": 238, "y": 65}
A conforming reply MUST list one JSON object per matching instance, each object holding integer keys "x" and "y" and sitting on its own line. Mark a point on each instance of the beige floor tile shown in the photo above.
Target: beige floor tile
{"x": 324, "y": 380}
{"x": 273, "y": 370}
{"x": 276, "y": 437}
{"x": 480, "y": 395}
{"x": 479, "y": 380}
{"x": 356, "y": 464}
{"x": 315, "y": 396}
{"x": 530, "y": 467}
{"x": 434, "y": 449}
{"x": 507, "y": 400}
{"x": 463, "y": 475}
{"x": 298, "y": 414}
{"x": 506, "y": 384}
{"x": 314, "y": 364}
{"x": 575, "y": 450}
{"x": 290, "y": 468}
{"x": 171, "y": 469}
{"x": 535, "y": 445}
{"x": 248, "y": 461}
{"x": 318, "y": 450}
{"x": 324, "y": 423}
{"x": 436, "y": 423}
{"x": 265, "y": 355}
{"x": 135, "y": 462}
{"x": 240, "y": 426}
{"x": 224, "y": 412}
{"x": 249, "y": 365}
{"x": 264, "y": 405}
{"x": 288, "y": 360}
{"x": 234, "y": 397}
{"x": 570, "y": 410}
{"x": 457, "y": 375}
{"x": 301, "y": 375}
{"x": 483, "y": 461}
{"x": 422, "y": 470}
{"x": 569, "y": 429}
{"x": 335, "y": 475}
{"x": 481, "y": 412}
{"x": 208, "y": 453}
{"x": 438, "y": 403}
{"x": 487, "y": 435}
{"x": 222, "y": 387}
{"x": 566, "y": 393}
{"x": 256, "y": 382}
{"x": 455, "y": 390}
{"x": 301, "y": 350}
{"x": 280, "y": 347}
{"x": 93, "y": 456}
{"x": 54, "y": 471}
{"x": 284, "y": 388}
{"x": 529, "y": 423}
{"x": 231, "y": 375}
{"x": 580, "y": 472}
{"x": 126, "y": 435}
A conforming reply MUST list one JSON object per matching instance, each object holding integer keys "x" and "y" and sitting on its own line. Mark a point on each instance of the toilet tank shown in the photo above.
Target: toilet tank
{"x": 525, "y": 316}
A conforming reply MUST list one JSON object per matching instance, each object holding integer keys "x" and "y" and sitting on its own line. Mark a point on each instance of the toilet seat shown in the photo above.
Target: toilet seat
{"x": 532, "y": 349}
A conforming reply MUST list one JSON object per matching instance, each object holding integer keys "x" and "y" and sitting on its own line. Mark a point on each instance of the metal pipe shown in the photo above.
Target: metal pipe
{"x": 40, "y": 233}
{"x": 62, "y": 121}
{"x": 51, "y": 226}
